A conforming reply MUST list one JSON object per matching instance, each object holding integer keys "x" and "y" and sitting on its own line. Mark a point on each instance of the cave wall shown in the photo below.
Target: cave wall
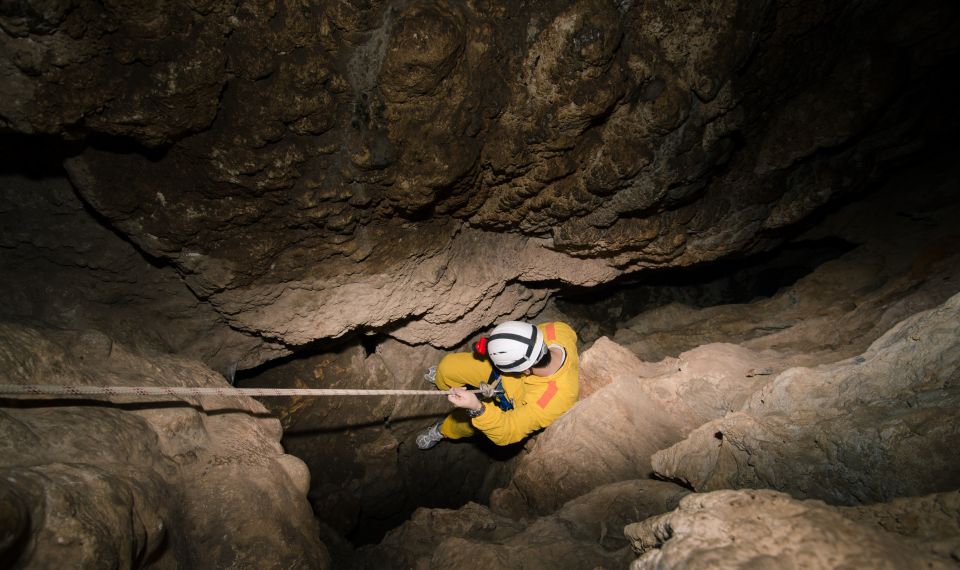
{"x": 833, "y": 430}
{"x": 126, "y": 483}
{"x": 62, "y": 268}
{"x": 245, "y": 179}
{"x": 427, "y": 168}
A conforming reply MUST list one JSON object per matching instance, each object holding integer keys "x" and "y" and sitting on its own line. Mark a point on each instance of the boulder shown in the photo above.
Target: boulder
{"x": 767, "y": 529}
{"x": 610, "y": 435}
{"x": 871, "y": 428}
{"x": 584, "y": 533}
{"x": 126, "y": 482}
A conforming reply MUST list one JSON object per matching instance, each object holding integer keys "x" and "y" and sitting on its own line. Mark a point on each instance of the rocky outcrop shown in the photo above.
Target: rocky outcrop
{"x": 815, "y": 435}
{"x": 585, "y": 533}
{"x": 871, "y": 428}
{"x": 132, "y": 483}
{"x": 63, "y": 268}
{"x": 424, "y": 169}
{"x": 929, "y": 523}
{"x": 902, "y": 261}
{"x": 611, "y": 435}
{"x": 745, "y": 529}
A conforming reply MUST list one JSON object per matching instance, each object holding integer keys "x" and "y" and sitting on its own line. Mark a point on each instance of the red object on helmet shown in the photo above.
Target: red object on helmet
{"x": 480, "y": 347}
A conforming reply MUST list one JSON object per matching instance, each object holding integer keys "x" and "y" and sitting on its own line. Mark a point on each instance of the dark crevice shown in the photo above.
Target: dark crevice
{"x": 41, "y": 157}
{"x": 372, "y": 527}
{"x": 676, "y": 481}
{"x": 368, "y": 339}
{"x": 35, "y": 157}
{"x": 726, "y": 281}
{"x": 369, "y": 342}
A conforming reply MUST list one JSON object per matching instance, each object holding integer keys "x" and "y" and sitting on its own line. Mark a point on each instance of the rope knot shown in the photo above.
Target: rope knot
{"x": 488, "y": 390}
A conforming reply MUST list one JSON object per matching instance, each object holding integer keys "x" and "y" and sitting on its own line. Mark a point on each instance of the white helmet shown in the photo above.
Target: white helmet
{"x": 514, "y": 346}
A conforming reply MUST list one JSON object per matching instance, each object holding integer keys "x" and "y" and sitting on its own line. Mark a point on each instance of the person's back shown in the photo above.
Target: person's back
{"x": 536, "y": 370}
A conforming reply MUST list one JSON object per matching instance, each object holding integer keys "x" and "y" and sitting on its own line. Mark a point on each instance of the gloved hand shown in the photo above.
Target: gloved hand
{"x": 460, "y": 398}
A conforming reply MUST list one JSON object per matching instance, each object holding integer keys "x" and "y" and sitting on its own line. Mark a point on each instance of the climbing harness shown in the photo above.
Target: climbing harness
{"x": 493, "y": 390}
{"x": 180, "y": 391}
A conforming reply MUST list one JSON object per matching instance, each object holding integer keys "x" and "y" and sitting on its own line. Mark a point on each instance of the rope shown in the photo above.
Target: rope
{"x": 175, "y": 391}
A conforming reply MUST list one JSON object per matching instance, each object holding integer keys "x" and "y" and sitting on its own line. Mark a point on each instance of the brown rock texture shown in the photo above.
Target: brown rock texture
{"x": 370, "y": 182}
{"x": 62, "y": 268}
{"x": 930, "y": 522}
{"x": 766, "y": 529}
{"x": 778, "y": 421}
{"x": 424, "y": 169}
{"x": 611, "y": 435}
{"x": 584, "y": 533}
{"x": 904, "y": 261}
{"x": 878, "y": 426}
{"x": 141, "y": 484}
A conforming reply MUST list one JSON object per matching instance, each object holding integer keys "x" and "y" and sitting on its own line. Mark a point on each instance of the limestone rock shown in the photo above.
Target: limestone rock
{"x": 128, "y": 483}
{"x": 871, "y": 428}
{"x": 902, "y": 261}
{"x": 585, "y": 533}
{"x": 741, "y": 529}
{"x": 315, "y": 171}
{"x": 62, "y": 268}
{"x": 929, "y": 523}
{"x": 610, "y": 436}
{"x": 414, "y": 541}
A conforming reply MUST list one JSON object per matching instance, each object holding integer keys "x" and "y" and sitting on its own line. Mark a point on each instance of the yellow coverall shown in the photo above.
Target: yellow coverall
{"x": 537, "y": 400}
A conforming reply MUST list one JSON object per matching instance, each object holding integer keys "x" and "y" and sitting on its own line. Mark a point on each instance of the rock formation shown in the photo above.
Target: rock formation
{"x": 634, "y": 418}
{"x": 744, "y": 529}
{"x": 872, "y": 428}
{"x": 62, "y": 268}
{"x": 435, "y": 168}
{"x": 585, "y": 533}
{"x": 132, "y": 484}
{"x": 330, "y": 194}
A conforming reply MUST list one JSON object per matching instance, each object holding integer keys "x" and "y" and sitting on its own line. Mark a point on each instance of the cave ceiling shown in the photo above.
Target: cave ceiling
{"x": 425, "y": 168}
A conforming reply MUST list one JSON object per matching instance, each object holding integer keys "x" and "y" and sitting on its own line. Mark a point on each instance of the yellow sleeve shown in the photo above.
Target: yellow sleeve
{"x": 504, "y": 428}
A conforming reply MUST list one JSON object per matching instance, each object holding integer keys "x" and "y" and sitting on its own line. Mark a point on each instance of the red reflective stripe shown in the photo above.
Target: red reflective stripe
{"x": 548, "y": 395}
{"x": 550, "y": 331}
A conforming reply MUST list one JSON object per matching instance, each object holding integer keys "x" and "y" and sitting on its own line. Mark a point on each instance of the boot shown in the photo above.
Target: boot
{"x": 429, "y": 437}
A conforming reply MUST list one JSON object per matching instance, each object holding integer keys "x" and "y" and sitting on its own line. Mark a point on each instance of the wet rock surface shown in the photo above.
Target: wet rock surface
{"x": 134, "y": 484}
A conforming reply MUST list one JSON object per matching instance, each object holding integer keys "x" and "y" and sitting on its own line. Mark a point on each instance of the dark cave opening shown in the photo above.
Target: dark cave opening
{"x": 371, "y": 527}
{"x": 368, "y": 506}
{"x": 727, "y": 281}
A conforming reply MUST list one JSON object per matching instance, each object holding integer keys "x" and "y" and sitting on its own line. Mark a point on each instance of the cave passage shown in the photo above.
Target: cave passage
{"x": 597, "y": 311}
{"x": 746, "y": 211}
